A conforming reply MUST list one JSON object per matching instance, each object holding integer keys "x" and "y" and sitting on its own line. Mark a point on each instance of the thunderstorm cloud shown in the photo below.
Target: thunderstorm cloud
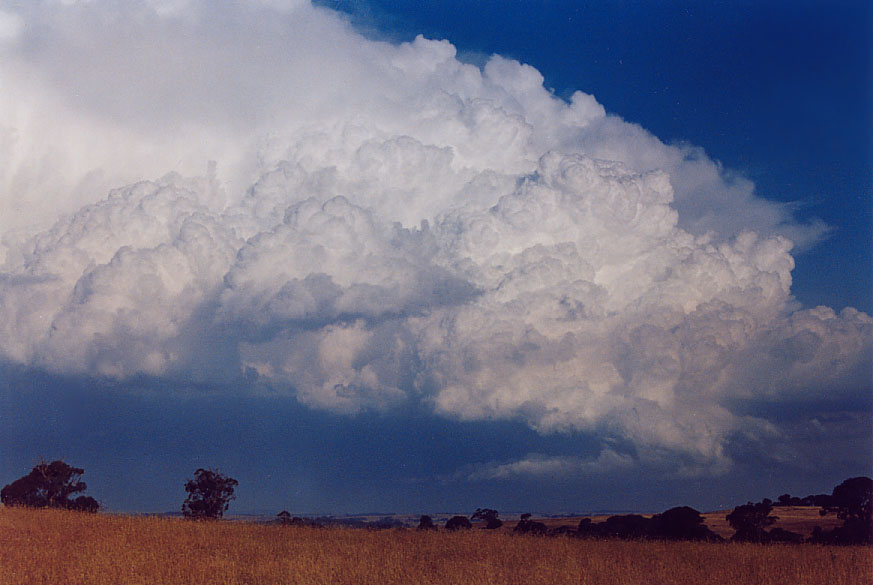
{"x": 254, "y": 194}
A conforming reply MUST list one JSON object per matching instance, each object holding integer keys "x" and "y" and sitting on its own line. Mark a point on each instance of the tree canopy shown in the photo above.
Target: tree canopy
{"x": 527, "y": 526}
{"x": 488, "y": 516}
{"x": 209, "y": 494}
{"x": 751, "y": 520}
{"x": 458, "y": 523}
{"x": 852, "y": 501}
{"x": 50, "y": 485}
{"x": 680, "y": 523}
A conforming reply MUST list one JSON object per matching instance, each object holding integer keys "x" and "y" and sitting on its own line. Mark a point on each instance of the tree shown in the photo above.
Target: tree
{"x": 852, "y": 501}
{"x": 283, "y": 517}
{"x": 781, "y": 535}
{"x": 489, "y": 516}
{"x": 587, "y": 528}
{"x": 681, "y": 523}
{"x": 626, "y": 526}
{"x": 426, "y": 523}
{"x": 527, "y": 526}
{"x": 209, "y": 494}
{"x": 458, "y": 523}
{"x": 50, "y": 485}
{"x": 85, "y": 504}
{"x": 750, "y": 521}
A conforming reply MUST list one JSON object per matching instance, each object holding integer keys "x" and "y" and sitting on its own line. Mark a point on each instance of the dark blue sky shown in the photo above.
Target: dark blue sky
{"x": 138, "y": 448}
{"x": 778, "y": 92}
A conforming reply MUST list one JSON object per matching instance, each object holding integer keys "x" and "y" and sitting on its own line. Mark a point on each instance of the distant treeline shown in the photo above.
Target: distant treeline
{"x": 850, "y": 501}
{"x": 210, "y": 493}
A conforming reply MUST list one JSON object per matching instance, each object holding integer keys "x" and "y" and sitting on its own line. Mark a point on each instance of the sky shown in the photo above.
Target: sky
{"x": 428, "y": 257}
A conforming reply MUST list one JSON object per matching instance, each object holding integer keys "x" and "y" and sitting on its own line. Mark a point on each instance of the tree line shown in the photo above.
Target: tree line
{"x": 209, "y": 493}
{"x": 52, "y": 485}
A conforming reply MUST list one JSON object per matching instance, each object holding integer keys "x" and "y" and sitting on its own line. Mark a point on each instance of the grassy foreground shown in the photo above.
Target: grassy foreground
{"x": 51, "y": 547}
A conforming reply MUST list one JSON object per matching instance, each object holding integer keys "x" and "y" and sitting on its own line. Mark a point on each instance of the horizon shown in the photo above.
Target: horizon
{"x": 384, "y": 255}
{"x": 268, "y": 514}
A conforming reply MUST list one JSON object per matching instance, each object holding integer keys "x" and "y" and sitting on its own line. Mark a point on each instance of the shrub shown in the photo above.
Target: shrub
{"x": 458, "y": 523}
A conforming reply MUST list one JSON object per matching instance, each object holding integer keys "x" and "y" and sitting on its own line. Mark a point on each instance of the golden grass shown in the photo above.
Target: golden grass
{"x": 50, "y": 547}
{"x": 800, "y": 519}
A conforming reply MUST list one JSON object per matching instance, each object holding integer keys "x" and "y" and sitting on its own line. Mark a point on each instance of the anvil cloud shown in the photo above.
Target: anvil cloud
{"x": 255, "y": 194}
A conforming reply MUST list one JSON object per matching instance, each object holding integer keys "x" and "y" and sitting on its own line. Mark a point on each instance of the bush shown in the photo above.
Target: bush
{"x": 751, "y": 520}
{"x": 489, "y": 516}
{"x": 458, "y": 523}
{"x": 681, "y": 523}
{"x": 527, "y": 526}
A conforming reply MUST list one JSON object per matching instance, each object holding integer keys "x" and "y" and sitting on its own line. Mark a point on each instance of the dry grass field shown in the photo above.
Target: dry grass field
{"x": 50, "y": 547}
{"x": 800, "y": 519}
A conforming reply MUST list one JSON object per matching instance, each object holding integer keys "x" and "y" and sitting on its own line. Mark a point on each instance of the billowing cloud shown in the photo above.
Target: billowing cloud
{"x": 384, "y": 224}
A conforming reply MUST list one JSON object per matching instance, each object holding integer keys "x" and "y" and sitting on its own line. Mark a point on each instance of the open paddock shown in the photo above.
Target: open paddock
{"x": 49, "y": 547}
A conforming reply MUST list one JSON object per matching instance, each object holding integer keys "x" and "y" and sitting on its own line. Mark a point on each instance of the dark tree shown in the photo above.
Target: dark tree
{"x": 527, "y": 526}
{"x": 283, "y": 517}
{"x": 820, "y": 500}
{"x": 458, "y": 523}
{"x": 586, "y": 528}
{"x": 852, "y": 501}
{"x": 625, "y": 526}
{"x": 209, "y": 494}
{"x": 781, "y": 535}
{"x": 489, "y": 516}
{"x": 85, "y": 504}
{"x": 681, "y": 523}
{"x": 789, "y": 500}
{"x": 49, "y": 485}
{"x": 751, "y": 520}
{"x": 426, "y": 523}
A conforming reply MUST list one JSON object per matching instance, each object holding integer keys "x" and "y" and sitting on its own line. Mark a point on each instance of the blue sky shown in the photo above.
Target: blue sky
{"x": 567, "y": 260}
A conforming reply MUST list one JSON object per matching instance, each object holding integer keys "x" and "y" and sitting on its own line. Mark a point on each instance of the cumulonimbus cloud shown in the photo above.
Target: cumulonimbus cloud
{"x": 386, "y": 224}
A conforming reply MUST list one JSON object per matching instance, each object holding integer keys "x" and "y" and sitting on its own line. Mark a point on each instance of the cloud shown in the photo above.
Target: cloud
{"x": 10, "y": 26}
{"x": 387, "y": 225}
{"x": 542, "y": 466}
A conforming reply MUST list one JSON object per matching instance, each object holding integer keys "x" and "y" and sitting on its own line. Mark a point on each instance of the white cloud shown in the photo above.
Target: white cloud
{"x": 550, "y": 467}
{"x": 11, "y": 26}
{"x": 386, "y": 224}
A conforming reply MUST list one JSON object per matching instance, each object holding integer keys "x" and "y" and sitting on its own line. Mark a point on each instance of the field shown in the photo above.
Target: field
{"x": 50, "y": 547}
{"x": 800, "y": 519}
